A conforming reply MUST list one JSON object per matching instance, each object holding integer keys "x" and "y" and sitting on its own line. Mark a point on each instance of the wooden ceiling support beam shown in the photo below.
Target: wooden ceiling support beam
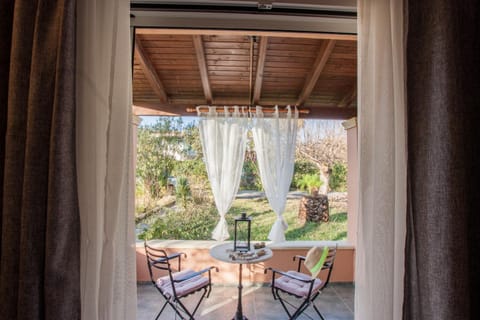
{"x": 150, "y": 72}
{"x": 332, "y": 113}
{"x": 202, "y": 66}
{"x": 262, "y": 54}
{"x": 320, "y": 62}
{"x": 349, "y": 97}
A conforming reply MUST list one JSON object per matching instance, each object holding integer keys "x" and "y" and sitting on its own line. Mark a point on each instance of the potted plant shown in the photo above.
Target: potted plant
{"x": 313, "y": 207}
{"x": 311, "y": 183}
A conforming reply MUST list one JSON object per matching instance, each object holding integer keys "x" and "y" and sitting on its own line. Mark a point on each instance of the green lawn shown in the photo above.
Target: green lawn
{"x": 198, "y": 221}
{"x": 263, "y": 218}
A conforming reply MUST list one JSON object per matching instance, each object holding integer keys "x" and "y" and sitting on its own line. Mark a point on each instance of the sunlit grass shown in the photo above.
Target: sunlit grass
{"x": 198, "y": 221}
{"x": 263, "y": 218}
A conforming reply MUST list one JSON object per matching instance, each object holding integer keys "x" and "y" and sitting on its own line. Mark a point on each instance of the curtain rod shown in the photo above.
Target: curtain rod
{"x": 231, "y": 109}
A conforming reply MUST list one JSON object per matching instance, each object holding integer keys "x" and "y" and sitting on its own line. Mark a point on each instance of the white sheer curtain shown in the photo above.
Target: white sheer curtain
{"x": 275, "y": 138}
{"x": 379, "y": 268}
{"x": 108, "y": 281}
{"x": 224, "y": 138}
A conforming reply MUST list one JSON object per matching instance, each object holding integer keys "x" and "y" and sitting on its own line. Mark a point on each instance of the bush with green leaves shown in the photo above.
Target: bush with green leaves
{"x": 182, "y": 190}
{"x": 196, "y": 223}
{"x": 250, "y": 179}
{"x": 310, "y": 182}
{"x": 157, "y": 148}
{"x": 338, "y": 178}
{"x": 193, "y": 168}
{"x": 301, "y": 168}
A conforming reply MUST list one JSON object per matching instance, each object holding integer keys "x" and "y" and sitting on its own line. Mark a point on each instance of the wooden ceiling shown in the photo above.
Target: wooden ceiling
{"x": 177, "y": 70}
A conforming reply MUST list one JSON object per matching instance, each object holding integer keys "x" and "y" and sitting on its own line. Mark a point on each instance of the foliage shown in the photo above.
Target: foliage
{"x": 338, "y": 177}
{"x": 167, "y": 149}
{"x": 140, "y": 199}
{"x": 250, "y": 179}
{"x": 199, "y": 221}
{"x": 156, "y": 150}
{"x": 310, "y": 182}
{"x": 191, "y": 137}
{"x": 301, "y": 168}
{"x": 182, "y": 190}
{"x": 196, "y": 223}
{"x": 194, "y": 169}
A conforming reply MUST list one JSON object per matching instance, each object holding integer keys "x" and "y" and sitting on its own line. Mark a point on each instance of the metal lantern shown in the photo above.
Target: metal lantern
{"x": 242, "y": 233}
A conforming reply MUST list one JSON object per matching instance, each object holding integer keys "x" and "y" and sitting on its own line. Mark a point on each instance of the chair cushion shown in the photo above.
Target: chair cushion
{"x": 297, "y": 287}
{"x": 182, "y": 288}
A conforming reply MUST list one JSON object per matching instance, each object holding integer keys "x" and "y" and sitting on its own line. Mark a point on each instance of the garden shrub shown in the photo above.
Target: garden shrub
{"x": 250, "y": 179}
{"x": 196, "y": 223}
{"x": 191, "y": 168}
{"x": 338, "y": 178}
{"x": 301, "y": 168}
{"x": 309, "y": 182}
{"x": 182, "y": 190}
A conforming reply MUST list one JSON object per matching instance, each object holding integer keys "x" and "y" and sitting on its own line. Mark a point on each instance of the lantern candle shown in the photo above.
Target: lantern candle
{"x": 242, "y": 233}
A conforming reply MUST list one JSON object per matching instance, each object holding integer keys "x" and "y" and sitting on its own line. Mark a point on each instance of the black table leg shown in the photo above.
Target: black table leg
{"x": 239, "y": 314}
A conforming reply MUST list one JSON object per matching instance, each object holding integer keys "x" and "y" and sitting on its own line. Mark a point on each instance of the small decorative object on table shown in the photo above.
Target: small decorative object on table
{"x": 238, "y": 255}
{"x": 242, "y": 233}
{"x": 261, "y": 252}
{"x": 259, "y": 245}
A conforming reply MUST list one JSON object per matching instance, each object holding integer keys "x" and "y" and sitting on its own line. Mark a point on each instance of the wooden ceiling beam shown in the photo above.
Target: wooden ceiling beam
{"x": 320, "y": 62}
{"x": 202, "y": 66}
{"x": 331, "y": 113}
{"x": 150, "y": 72}
{"x": 262, "y": 54}
{"x": 158, "y": 109}
{"x": 349, "y": 97}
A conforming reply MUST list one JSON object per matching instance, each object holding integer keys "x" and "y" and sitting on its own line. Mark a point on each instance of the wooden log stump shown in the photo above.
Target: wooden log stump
{"x": 314, "y": 208}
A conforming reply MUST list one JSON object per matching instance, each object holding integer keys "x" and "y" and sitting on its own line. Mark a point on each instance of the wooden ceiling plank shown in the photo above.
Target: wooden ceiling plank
{"x": 349, "y": 97}
{"x": 322, "y": 58}
{"x": 150, "y": 72}
{"x": 262, "y": 54}
{"x": 202, "y": 66}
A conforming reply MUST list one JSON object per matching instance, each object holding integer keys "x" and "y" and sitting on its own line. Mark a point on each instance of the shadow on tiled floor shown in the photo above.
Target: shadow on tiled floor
{"x": 335, "y": 303}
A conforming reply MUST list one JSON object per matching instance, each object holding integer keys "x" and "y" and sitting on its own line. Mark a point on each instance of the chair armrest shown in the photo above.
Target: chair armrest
{"x": 194, "y": 274}
{"x": 300, "y": 259}
{"x": 274, "y": 271}
{"x": 177, "y": 255}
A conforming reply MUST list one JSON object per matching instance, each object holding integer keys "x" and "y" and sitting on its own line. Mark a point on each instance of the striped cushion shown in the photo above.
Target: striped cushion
{"x": 184, "y": 287}
{"x": 297, "y": 287}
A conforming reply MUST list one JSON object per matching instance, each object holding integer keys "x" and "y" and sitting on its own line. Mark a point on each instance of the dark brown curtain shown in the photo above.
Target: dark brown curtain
{"x": 442, "y": 279}
{"x": 40, "y": 236}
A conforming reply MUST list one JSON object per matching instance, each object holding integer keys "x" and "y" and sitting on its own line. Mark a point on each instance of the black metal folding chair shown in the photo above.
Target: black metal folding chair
{"x": 300, "y": 286}
{"x": 177, "y": 284}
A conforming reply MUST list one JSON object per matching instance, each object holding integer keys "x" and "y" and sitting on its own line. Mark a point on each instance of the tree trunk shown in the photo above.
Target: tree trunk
{"x": 314, "y": 208}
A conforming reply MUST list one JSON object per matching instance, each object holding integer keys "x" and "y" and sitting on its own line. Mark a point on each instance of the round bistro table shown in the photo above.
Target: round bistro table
{"x": 222, "y": 252}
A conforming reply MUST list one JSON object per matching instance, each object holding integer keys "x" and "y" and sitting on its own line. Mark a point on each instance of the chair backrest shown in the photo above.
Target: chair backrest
{"x": 328, "y": 264}
{"x": 158, "y": 259}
